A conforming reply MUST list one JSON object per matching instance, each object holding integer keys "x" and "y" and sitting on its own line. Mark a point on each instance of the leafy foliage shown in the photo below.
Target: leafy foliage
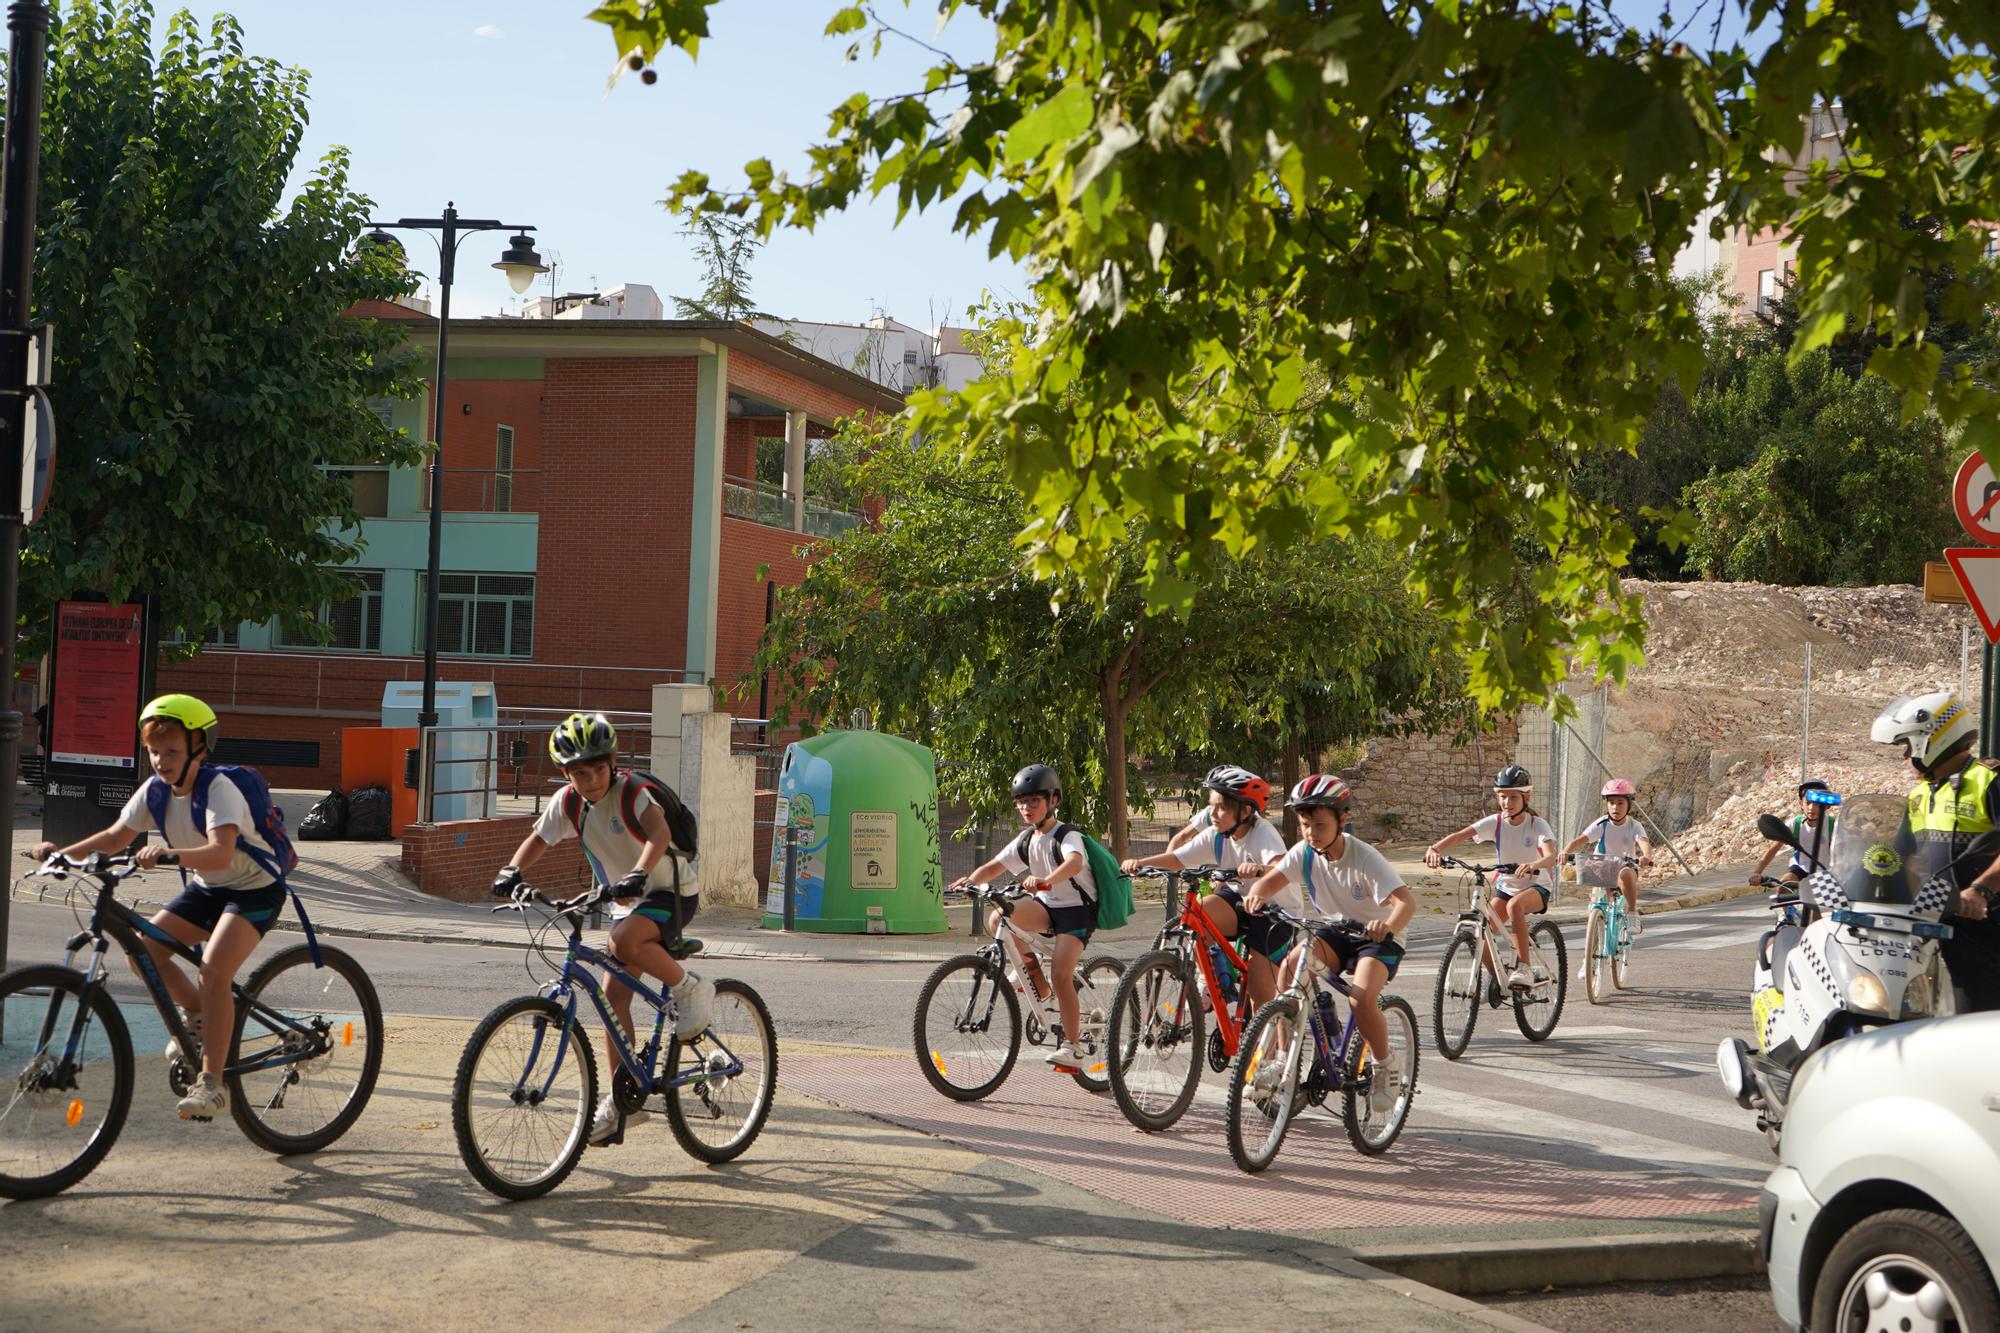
{"x": 205, "y": 370}
{"x": 725, "y": 246}
{"x": 1464, "y": 210}
{"x": 1324, "y": 641}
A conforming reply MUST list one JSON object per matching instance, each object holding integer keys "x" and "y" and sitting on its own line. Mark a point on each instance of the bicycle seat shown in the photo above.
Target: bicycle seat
{"x": 687, "y": 946}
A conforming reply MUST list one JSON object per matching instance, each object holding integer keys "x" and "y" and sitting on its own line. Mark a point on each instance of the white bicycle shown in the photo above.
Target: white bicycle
{"x": 970, "y": 1018}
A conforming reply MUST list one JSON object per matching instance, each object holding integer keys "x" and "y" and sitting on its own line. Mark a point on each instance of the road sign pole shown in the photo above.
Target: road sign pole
{"x": 1989, "y": 705}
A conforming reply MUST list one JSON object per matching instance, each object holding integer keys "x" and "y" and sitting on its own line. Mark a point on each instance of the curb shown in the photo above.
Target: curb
{"x": 1702, "y": 899}
{"x": 1485, "y": 1269}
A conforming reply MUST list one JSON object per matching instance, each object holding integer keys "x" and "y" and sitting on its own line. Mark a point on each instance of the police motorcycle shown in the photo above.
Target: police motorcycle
{"x": 1868, "y": 960}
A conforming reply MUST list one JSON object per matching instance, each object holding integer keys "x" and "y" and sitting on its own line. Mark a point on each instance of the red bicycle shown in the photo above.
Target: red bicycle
{"x": 1155, "y": 1032}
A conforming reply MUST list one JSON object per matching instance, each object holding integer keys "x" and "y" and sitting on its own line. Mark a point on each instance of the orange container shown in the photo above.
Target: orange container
{"x": 373, "y": 757}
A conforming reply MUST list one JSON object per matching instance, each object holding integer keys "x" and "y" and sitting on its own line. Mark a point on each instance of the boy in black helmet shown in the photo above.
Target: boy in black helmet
{"x": 1056, "y": 871}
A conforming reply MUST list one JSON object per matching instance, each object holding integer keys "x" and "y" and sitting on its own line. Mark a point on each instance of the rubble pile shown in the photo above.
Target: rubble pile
{"x": 1728, "y": 834}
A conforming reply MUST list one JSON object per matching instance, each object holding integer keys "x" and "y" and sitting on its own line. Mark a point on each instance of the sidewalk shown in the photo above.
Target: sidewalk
{"x": 358, "y": 889}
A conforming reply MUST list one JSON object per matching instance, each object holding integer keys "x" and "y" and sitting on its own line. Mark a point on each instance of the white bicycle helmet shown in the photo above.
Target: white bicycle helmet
{"x": 1930, "y": 727}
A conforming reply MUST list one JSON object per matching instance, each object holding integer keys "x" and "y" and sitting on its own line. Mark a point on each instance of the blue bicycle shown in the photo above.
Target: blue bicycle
{"x": 1295, "y": 1052}
{"x": 526, "y": 1087}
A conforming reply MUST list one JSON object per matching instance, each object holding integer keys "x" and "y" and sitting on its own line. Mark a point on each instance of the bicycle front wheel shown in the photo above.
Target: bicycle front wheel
{"x": 719, "y": 1114}
{"x": 1537, "y": 1008}
{"x": 1260, "y": 1104}
{"x": 1596, "y": 982}
{"x": 523, "y": 1097}
{"x": 65, "y": 1087}
{"x": 306, "y": 1051}
{"x": 1156, "y": 1041}
{"x": 1621, "y": 953}
{"x": 1455, "y": 1006}
{"x": 967, "y": 1028}
{"x": 1096, "y": 984}
{"x": 1376, "y": 1094}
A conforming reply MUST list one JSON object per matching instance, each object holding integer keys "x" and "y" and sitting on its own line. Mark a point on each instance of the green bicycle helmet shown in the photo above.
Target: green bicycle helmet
{"x": 582, "y": 736}
{"x": 185, "y": 709}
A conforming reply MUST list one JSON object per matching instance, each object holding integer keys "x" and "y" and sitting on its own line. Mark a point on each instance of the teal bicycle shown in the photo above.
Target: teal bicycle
{"x": 1607, "y": 941}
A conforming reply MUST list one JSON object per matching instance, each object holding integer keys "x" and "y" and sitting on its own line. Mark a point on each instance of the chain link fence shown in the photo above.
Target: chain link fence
{"x": 1567, "y": 761}
{"x": 1845, "y": 686}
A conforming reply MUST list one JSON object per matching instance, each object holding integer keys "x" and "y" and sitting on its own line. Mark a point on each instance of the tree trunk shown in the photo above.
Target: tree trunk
{"x": 1292, "y": 776}
{"x": 1116, "y": 834}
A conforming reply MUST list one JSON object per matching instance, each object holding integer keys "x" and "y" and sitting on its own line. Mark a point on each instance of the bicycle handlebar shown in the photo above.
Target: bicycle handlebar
{"x": 582, "y": 902}
{"x": 1339, "y": 924}
{"x": 103, "y": 865}
{"x": 1503, "y": 868}
{"x": 1002, "y": 896}
{"x": 1213, "y": 874}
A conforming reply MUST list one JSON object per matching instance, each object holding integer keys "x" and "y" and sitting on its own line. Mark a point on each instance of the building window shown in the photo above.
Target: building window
{"x": 482, "y": 615}
{"x": 503, "y": 470}
{"x": 355, "y": 621}
{"x": 1767, "y": 290}
{"x": 215, "y": 636}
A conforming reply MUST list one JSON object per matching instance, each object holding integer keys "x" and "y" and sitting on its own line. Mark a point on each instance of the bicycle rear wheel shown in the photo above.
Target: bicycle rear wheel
{"x": 1257, "y": 1118}
{"x": 967, "y": 1028}
{"x": 61, "y": 1107}
{"x": 1621, "y": 953}
{"x": 1369, "y": 1130}
{"x": 1096, "y": 984}
{"x": 303, "y": 1061}
{"x": 523, "y": 1097}
{"x": 1156, "y": 1041}
{"x": 1537, "y": 1008}
{"x": 1596, "y": 982}
{"x": 1455, "y": 1006}
{"x": 719, "y": 1115}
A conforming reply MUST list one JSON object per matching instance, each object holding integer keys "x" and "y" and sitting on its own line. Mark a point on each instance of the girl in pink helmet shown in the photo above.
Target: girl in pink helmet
{"x": 1616, "y": 833}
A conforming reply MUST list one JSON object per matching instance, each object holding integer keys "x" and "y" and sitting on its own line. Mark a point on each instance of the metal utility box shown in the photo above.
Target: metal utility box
{"x": 467, "y": 768}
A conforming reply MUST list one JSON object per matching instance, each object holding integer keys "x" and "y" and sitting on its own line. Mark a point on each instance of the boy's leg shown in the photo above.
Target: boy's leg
{"x": 1068, "y": 949}
{"x": 1262, "y": 982}
{"x": 1370, "y": 976}
{"x": 1219, "y": 911}
{"x": 1031, "y": 916}
{"x": 234, "y": 940}
{"x": 635, "y": 943}
{"x": 181, "y": 990}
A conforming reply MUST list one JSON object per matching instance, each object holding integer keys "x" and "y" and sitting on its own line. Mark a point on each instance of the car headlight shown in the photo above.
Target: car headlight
{"x": 1861, "y": 990}
{"x": 1919, "y": 997}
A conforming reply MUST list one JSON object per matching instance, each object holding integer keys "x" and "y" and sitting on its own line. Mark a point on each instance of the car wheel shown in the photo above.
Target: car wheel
{"x": 1905, "y": 1269}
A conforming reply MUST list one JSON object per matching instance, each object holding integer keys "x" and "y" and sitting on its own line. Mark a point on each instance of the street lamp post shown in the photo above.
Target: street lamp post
{"x": 520, "y": 263}
{"x": 28, "y": 37}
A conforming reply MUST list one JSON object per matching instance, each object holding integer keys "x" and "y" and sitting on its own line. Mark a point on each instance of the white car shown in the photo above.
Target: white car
{"x": 1885, "y": 1212}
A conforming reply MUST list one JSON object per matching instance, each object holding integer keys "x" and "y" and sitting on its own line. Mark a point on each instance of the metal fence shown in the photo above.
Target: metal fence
{"x": 1567, "y": 762}
{"x": 506, "y": 769}
{"x": 1844, "y": 687}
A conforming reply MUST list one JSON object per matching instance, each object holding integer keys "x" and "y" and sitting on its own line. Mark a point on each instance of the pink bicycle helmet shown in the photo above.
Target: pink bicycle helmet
{"x": 1619, "y": 787}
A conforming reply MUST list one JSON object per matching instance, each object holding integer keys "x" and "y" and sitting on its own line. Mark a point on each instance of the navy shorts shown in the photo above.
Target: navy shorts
{"x": 1266, "y": 934}
{"x": 203, "y": 907}
{"x": 1351, "y": 951}
{"x": 1505, "y": 895}
{"x": 1078, "y": 920}
{"x": 669, "y": 911}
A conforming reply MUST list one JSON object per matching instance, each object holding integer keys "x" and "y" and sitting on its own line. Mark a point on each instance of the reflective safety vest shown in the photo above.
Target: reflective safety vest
{"x": 1946, "y": 816}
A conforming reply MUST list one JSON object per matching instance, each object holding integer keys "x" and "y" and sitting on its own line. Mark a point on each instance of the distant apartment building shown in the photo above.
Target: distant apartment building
{"x": 891, "y": 353}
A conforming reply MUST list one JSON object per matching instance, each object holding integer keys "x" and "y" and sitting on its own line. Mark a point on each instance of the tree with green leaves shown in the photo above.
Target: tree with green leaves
{"x": 1320, "y": 641}
{"x": 206, "y": 378}
{"x": 724, "y": 246}
{"x": 1465, "y": 211}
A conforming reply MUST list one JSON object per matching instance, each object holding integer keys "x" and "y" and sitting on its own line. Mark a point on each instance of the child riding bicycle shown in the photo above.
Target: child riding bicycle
{"x": 1056, "y": 871}
{"x": 1813, "y": 830}
{"x": 1618, "y": 835}
{"x": 1345, "y": 877}
{"x": 1520, "y": 838}
{"x": 228, "y": 900}
{"x": 1239, "y": 838}
{"x": 652, "y": 884}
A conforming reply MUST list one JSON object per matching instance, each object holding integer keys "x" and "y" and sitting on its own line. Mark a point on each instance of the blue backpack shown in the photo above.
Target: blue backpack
{"x": 266, "y": 819}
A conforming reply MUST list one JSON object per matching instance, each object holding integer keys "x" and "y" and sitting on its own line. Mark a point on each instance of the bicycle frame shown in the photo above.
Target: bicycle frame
{"x": 1310, "y": 977}
{"x": 1482, "y": 925}
{"x": 111, "y": 920}
{"x": 1194, "y": 934}
{"x": 638, "y": 1063}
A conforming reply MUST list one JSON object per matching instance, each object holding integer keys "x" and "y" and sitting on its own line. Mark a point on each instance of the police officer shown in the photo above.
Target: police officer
{"x": 1955, "y": 800}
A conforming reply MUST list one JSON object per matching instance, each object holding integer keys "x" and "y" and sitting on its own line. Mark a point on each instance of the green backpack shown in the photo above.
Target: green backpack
{"x": 1113, "y": 907}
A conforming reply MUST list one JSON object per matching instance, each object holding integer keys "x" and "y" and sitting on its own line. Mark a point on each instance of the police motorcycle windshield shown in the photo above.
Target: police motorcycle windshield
{"x": 1874, "y": 854}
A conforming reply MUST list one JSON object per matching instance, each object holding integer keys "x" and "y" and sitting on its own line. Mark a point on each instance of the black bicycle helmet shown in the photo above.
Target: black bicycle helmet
{"x": 1037, "y": 779}
{"x": 1813, "y": 784}
{"x": 1513, "y": 778}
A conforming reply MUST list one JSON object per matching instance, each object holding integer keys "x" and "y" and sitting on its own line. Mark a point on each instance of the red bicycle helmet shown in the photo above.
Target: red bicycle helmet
{"x": 1239, "y": 783}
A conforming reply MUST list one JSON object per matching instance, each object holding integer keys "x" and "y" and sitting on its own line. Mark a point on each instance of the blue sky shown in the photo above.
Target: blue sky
{"x": 501, "y": 106}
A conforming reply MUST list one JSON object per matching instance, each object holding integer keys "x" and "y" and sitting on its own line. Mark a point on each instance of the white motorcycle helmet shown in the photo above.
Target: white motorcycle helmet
{"x": 1932, "y": 727}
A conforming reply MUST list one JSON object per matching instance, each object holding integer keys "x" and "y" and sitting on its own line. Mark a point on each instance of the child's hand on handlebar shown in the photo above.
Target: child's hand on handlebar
{"x": 1033, "y": 884}
{"x": 1433, "y": 858}
{"x": 1378, "y": 929}
{"x": 148, "y": 857}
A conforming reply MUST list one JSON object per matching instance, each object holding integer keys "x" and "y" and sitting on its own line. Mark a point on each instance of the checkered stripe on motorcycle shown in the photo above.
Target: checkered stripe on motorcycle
{"x": 1932, "y": 897}
{"x": 1826, "y": 891}
{"x": 1819, "y": 969}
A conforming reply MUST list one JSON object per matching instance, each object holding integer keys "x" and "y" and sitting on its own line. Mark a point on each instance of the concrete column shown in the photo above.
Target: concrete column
{"x": 691, "y": 751}
{"x": 711, "y": 418}
{"x": 795, "y": 467}
{"x": 671, "y": 706}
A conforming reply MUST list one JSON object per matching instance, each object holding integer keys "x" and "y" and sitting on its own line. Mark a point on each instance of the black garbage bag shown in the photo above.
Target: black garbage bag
{"x": 326, "y": 820}
{"x": 368, "y": 814}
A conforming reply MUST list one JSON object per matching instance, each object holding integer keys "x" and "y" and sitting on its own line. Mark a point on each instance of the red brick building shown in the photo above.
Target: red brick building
{"x": 604, "y": 527}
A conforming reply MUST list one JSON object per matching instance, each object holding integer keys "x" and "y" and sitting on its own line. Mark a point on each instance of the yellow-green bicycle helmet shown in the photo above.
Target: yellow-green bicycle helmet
{"x": 582, "y": 736}
{"x": 185, "y": 709}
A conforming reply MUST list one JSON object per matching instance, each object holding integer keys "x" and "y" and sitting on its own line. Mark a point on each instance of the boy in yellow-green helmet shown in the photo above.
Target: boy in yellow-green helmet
{"x": 228, "y": 902}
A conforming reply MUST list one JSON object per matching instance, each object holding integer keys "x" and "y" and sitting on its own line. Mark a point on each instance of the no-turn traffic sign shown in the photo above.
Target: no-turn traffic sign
{"x": 1976, "y": 497}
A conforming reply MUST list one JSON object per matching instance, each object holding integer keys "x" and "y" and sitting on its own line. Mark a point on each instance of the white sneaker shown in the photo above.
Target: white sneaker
{"x": 1635, "y": 925}
{"x": 1383, "y": 1089}
{"x": 1069, "y": 1056}
{"x": 205, "y": 1099}
{"x": 1520, "y": 978}
{"x": 174, "y": 1052}
{"x": 604, "y": 1126}
{"x": 694, "y": 1002}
